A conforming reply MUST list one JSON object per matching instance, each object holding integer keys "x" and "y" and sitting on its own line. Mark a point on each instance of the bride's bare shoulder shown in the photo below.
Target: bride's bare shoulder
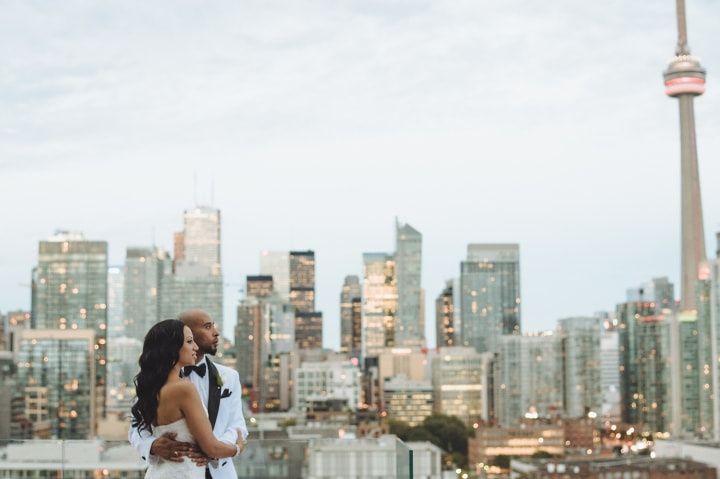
{"x": 178, "y": 388}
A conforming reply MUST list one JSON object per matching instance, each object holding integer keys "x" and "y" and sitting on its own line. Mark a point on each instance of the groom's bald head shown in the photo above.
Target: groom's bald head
{"x": 204, "y": 330}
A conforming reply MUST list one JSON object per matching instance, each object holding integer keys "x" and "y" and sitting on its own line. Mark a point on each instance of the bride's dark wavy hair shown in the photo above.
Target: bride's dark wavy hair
{"x": 161, "y": 350}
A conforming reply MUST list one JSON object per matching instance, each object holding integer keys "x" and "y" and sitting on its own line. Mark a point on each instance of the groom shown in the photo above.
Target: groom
{"x": 220, "y": 391}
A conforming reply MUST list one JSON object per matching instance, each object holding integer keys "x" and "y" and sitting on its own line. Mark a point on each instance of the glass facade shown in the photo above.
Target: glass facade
{"x": 581, "y": 365}
{"x": 528, "y": 378}
{"x": 380, "y": 298}
{"x": 350, "y": 295}
{"x": 115, "y": 316}
{"x": 490, "y": 294}
{"x": 410, "y": 318}
{"x": 445, "y": 317}
{"x": 645, "y": 364}
{"x": 144, "y": 271}
{"x": 56, "y": 371}
{"x": 407, "y": 400}
{"x": 69, "y": 293}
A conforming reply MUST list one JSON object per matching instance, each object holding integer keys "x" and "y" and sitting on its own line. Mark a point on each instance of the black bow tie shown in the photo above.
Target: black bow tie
{"x": 200, "y": 370}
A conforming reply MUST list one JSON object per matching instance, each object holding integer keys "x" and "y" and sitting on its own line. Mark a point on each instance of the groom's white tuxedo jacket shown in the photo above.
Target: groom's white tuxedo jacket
{"x": 221, "y": 391}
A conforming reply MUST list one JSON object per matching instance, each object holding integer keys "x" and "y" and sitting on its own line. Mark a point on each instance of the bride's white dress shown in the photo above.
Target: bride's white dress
{"x": 175, "y": 470}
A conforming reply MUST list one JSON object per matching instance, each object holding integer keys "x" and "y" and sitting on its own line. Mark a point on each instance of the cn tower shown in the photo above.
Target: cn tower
{"x": 684, "y": 80}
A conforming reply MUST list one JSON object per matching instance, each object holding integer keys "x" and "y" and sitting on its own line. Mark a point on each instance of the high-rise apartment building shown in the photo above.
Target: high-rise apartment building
{"x": 410, "y": 318}
{"x": 351, "y": 316}
{"x": 582, "y": 371}
{"x": 145, "y": 269}
{"x": 446, "y": 333}
{"x": 302, "y": 281}
{"x": 462, "y": 383}
{"x": 380, "y": 298}
{"x": 528, "y": 377}
{"x": 490, "y": 294}
{"x": 57, "y": 374}
{"x": 69, "y": 293}
{"x": 645, "y": 328}
{"x": 201, "y": 239}
{"x": 610, "y": 370}
{"x": 715, "y": 338}
{"x": 115, "y": 327}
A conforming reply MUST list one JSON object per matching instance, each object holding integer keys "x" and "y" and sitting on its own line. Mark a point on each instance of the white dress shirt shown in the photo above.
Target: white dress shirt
{"x": 202, "y": 383}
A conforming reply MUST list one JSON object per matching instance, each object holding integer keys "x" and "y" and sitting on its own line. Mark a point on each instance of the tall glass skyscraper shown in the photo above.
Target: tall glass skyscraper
{"x": 645, "y": 328}
{"x": 116, "y": 326}
{"x": 490, "y": 295}
{"x": 350, "y": 295}
{"x": 69, "y": 293}
{"x": 446, "y": 333}
{"x": 380, "y": 299}
{"x": 581, "y": 365}
{"x": 145, "y": 268}
{"x": 410, "y": 321}
{"x": 197, "y": 280}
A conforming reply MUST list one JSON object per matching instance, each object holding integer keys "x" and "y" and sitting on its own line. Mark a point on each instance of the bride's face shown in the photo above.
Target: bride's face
{"x": 188, "y": 351}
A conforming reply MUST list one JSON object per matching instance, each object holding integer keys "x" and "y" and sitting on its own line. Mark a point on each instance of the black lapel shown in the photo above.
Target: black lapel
{"x": 213, "y": 393}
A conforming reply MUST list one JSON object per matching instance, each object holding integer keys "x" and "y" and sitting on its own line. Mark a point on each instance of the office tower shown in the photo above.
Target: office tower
{"x": 645, "y": 324}
{"x": 70, "y": 293}
{"x": 327, "y": 379}
{"x": 445, "y": 324}
{"x": 197, "y": 279}
{"x": 293, "y": 274}
{"x": 407, "y": 400}
{"x": 684, "y": 80}
{"x": 581, "y": 365}
{"x": 265, "y": 329}
{"x": 145, "y": 269}
{"x": 490, "y": 290}
{"x": 462, "y": 383}
{"x": 57, "y": 371}
{"x": 115, "y": 327}
{"x": 201, "y": 239}
{"x": 259, "y": 286}
{"x": 277, "y": 265}
{"x": 410, "y": 318}
{"x": 302, "y": 281}
{"x": 528, "y": 377}
{"x": 379, "y": 303}
{"x": 610, "y": 370}
{"x": 350, "y": 327}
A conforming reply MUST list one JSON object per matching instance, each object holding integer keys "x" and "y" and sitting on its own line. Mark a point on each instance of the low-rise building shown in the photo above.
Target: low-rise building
{"x": 635, "y": 467}
{"x": 407, "y": 400}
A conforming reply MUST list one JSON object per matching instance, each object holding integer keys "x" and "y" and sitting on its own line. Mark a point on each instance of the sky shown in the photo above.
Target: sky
{"x": 313, "y": 124}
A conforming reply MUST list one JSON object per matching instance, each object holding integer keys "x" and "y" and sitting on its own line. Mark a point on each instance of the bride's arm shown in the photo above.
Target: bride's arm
{"x": 199, "y": 424}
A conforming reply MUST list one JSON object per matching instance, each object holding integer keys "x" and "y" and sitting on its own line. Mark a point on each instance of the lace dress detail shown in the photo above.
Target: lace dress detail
{"x": 175, "y": 470}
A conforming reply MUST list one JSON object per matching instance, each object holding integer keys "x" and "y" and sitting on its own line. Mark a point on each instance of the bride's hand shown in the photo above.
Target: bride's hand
{"x": 241, "y": 443}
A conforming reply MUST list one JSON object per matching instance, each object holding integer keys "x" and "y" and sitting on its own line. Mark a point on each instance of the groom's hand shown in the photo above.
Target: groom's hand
{"x": 197, "y": 456}
{"x": 169, "y": 449}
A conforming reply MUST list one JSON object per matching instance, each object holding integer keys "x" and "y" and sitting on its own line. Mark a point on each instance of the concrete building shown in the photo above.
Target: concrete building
{"x": 707, "y": 452}
{"x": 370, "y": 458}
{"x": 410, "y": 319}
{"x": 462, "y": 383}
{"x": 338, "y": 379}
{"x": 407, "y": 400}
{"x": 76, "y": 459}
{"x": 69, "y": 293}
{"x": 490, "y": 295}
{"x": 638, "y": 467}
{"x": 277, "y": 265}
{"x": 610, "y": 370}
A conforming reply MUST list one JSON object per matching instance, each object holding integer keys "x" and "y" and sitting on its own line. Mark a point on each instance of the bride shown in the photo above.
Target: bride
{"x": 167, "y": 403}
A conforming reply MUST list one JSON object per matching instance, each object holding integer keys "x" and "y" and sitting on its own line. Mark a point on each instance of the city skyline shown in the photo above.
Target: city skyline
{"x": 633, "y": 222}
